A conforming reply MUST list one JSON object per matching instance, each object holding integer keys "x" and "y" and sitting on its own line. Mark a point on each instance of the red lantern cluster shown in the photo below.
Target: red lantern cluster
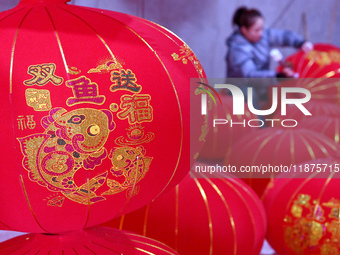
{"x": 96, "y": 124}
{"x": 202, "y": 216}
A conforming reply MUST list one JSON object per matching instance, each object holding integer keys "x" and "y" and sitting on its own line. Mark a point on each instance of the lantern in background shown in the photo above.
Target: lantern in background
{"x": 328, "y": 126}
{"x": 94, "y": 240}
{"x": 221, "y": 138}
{"x": 322, "y": 64}
{"x": 95, "y": 114}
{"x": 277, "y": 147}
{"x": 303, "y": 209}
{"x": 322, "y": 61}
{"x": 202, "y": 216}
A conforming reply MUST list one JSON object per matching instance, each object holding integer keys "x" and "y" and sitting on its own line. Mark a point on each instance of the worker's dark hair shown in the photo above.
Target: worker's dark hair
{"x": 245, "y": 17}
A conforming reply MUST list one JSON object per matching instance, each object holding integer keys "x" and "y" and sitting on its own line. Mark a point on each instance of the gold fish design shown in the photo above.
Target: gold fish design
{"x": 71, "y": 141}
{"x": 129, "y": 162}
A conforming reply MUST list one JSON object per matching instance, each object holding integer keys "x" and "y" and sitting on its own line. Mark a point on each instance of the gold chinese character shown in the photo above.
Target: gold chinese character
{"x": 21, "y": 122}
{"x": 84, "y": 91}
{"x": 124, "y": 80}
{"x": 30, "y": 122}
{"x": 136, "y": 108}
{"x": 42, "y": 74}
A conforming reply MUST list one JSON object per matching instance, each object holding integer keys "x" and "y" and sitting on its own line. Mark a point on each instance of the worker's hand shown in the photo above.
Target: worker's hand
{"x": 288, "y": 72}
{"x": 307, "y": 46}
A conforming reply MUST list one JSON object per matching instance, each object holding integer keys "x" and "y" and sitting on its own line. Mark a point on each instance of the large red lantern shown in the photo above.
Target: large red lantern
{"x": 95, "y": 114}
{"x": 303, "y": 209}
{"x": 322, "y": 64}
{"x": 202, "y": 216}
{"x": 94, "y": 240}
{"x": 280, "y": 148}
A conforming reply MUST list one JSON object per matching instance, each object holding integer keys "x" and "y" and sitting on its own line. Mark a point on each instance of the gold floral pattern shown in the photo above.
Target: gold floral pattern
{"x": 311, "y": 226}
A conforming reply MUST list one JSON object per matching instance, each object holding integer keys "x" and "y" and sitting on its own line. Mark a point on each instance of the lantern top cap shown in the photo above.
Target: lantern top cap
{"x": 43, "y": 1}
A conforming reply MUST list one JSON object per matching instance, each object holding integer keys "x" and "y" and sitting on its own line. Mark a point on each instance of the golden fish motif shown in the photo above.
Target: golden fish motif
{"x": 71, "y": 141}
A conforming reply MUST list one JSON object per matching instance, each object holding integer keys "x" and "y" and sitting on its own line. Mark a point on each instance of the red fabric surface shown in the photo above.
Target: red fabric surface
{"x": 95, "y": 240}
{"x": 276, "y": 147}
{"x": 302, "y": 212}
{"x": 202, "y": 216}
{"x": 328, "y": 126}
{"x": 220, "y": 139}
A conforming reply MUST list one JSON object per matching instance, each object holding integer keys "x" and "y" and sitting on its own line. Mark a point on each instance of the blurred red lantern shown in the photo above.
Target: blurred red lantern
{"x": 220, "y": 138}
{"x": 328, "y": 126}
{"x": 202, "y": 216}
{"x": 303, "y": 209}
{"x": 323, "y": 62}
{"x": 279, "y": 148}
{"x": 95, "y": 112}
{"x": 95, "y": 240}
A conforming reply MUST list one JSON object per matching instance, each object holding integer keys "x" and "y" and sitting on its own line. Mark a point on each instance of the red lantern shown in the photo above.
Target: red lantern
{"x": 322, "y": 62}
{"x": 328, "y": 126}
{"x": 277, "y": 147}
{"x": 221, "y": 138}
{"x": 202, "y": 216}
{"x": 95, "y": 114}
{"x": 303, "y": 209}
{"x": 95, "y": 240}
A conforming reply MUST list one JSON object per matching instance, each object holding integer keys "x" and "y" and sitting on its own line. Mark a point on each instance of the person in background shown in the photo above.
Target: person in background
{"x": 250, "y": 44}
